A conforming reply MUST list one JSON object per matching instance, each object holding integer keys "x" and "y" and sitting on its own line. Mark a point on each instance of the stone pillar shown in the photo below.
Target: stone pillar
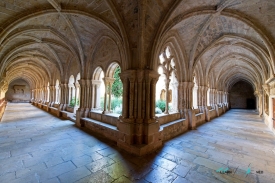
{"x": 52, "y": 94}
{"x": 186, "y": 91}
{"x": 167, "y": 81}
{"x": 45, "y": 93}
{"x": 76, "y": 93}
{"x": 138, "y": 128}
{"x": 203, "y": 101}
{"x": 108, "y": 92}
{"x": 259, "y": 96}
{"x": 95, "y": 94}
{"x": 175, "y": 95}
{"x": 89, "y": 95}
{"x": 81, "y": 112}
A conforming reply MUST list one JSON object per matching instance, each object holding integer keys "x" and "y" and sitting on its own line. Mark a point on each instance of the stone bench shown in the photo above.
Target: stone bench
{"x": 173, "y": 128}
{"x": 54, "y": 110}
{"x": 107, "y": 130}
{"x": 200, "y": 119}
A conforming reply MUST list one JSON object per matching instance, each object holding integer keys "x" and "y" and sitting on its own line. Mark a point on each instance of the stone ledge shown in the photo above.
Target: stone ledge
{"x": 174, "y": 128}
{"x": 101, "y": 128}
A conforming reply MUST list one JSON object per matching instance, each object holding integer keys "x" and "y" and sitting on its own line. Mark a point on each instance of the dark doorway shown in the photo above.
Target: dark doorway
{"x": 241, "y": 96}
{"x": 250, "y": 103}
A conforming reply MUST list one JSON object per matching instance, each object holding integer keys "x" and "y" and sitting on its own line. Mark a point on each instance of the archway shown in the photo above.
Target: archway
{"x": 167, "y": 85}
{"x": 18, "y": 91}
{"x": 72, "y": 99}
{"x": 98, "y": 89}
{"x": 241, "y": 96}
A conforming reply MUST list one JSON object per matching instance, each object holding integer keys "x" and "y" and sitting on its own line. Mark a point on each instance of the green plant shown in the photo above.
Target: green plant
{"x": 116, "y": 102}
{"x": 117, "y": 87}
{"x": 74, "y": 102}
{"x": 158, "y": 110}
{"x": 161, "y": 104}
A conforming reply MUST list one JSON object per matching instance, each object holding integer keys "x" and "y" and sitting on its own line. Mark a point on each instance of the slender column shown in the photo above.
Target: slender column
{"x": 89, "y": 94}
{"x": 125, "y": 81}
{"x": 95, "y": 95}
{"x": 153, "y": 97}
{"x": 110, "y": 97}
{"x": 45, "y": 93}
{"x": 82, "y": 91}
{"x": 190, "y": 94}
{"x": 76, "y": 93}
{"x": 175, "y": 95}
{"x": 105, "y": 96}
{"x": 131, "y": 92}
{"x": 167, "y": 81}
{"x": 148, "y": 94}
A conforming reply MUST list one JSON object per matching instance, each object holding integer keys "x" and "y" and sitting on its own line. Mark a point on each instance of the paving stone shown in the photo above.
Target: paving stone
{"x": 99, "y": 164}
{"x": 54, "y": 161}
{"x": 180, "y": 180}
{"x": 196, "y": 177}
{"x": 7, "y": 177}
{"x": 31, "y": 170}
{"x": 181, "y": 170}
{"x": 83, "y": 153}
{"x": 208, "y": 163}
{"x": 74, "y": 175}
{"x": 107, "y": 151}
{"x": 117, "y": 170}
{"x": 160, "y": 175}
{"x": 97, "y": 177}
{"x": 82, "y": 160}
{"x": 57, "y": 170}
{"x": 164, "y": 163}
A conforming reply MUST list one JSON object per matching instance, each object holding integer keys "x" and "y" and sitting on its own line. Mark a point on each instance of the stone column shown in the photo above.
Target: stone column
{"x": 108, "y": 92}
{"x": 167, "y": 81}
{"x": 45, "y": 94}
{"x": 175, "y": 96}
{"x": 89, "y": 95}
{"x": 76, "y": 92}
{"x": 81, "y": 112}
{"x": 138, "y": 127}
{"x": 95, "y": 94}
{"x": 187, "y": 103}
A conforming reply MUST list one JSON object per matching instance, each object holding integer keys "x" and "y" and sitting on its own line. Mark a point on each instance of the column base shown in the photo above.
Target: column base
{"x": 190, "y": 114}
{"x": 79, "y": 114}
{"x": 138, "y": 137}
{"x": 106, "y": 112}
{"x": 139, "y": 150}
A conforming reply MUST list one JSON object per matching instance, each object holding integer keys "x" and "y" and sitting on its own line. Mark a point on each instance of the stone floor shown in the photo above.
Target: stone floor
{"x": 37, "y": 147}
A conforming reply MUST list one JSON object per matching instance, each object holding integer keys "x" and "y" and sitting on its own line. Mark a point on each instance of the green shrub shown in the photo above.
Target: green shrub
{"x": 116, "y": 102}
{"x": 158, "y": 110}
{"x": 161, "y": 104}
{"x": 74, "y": 102}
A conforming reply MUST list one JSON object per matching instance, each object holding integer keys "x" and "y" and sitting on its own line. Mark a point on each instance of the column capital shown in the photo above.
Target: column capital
{"x": 96, "y": 82}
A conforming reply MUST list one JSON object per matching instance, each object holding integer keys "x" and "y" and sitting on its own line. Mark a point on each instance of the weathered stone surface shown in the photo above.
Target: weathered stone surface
{"x": 95, "y": 160}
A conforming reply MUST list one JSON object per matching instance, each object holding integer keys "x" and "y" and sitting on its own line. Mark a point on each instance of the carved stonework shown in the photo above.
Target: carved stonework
{"x": 19, "y": 89}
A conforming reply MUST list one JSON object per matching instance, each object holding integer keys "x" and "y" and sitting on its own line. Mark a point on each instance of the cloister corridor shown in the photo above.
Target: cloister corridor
{"x": 38, "y": 147}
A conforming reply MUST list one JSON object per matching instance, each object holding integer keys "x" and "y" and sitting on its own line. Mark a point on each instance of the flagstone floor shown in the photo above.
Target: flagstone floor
{"x": 38, "y": 147}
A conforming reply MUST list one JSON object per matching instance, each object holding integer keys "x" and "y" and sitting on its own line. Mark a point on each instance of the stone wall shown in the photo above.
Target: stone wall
{"x": 241, "y": 96}
{"x": 18, "y": 91}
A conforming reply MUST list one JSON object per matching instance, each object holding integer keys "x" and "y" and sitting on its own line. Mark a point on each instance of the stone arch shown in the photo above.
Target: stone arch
{"x": 168, "y": 81}
{"x": 98, "y": 88}
{"x": 179, "y": 54}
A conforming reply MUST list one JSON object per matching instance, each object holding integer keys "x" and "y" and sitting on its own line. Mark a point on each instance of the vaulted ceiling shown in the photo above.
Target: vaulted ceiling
{"x": 219, "y": 41}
